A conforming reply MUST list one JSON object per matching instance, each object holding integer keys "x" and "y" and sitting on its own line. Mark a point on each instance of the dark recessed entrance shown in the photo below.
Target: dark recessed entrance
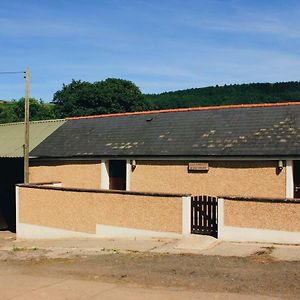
{"x": 11, "y": 173}
{"x": 296, "y": 170}
{"x": 117, "y": 174}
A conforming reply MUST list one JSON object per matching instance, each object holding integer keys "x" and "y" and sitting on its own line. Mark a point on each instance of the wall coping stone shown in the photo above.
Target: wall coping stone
{"x": 47, "y": 186}
{"x": 260, "y": 199}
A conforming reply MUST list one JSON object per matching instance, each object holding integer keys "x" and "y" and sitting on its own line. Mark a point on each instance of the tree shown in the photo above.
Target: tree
{"x": 81, "y": 98}
{"x": 13, "y": 111}
{"x": 6, "y": 113}
{"x": 228, "y": 94}
{"x": 38, "y": 110}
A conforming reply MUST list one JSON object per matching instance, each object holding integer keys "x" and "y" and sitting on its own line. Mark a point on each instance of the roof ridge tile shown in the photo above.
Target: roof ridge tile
{"x": 201, "y": 108}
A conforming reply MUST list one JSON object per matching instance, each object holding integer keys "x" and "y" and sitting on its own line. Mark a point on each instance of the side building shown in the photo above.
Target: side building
{"x": 12, "y": 161}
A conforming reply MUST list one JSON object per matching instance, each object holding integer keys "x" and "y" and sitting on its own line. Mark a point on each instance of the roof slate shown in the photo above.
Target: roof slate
{"x": 12, "y": 136}
{"x": 243, "y": 131}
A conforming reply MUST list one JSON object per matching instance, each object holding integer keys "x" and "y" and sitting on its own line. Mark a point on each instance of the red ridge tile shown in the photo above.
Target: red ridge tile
{"x": 185, "y": 109}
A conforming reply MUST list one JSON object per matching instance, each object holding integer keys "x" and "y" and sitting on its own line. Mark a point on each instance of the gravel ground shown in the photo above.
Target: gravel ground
{"x": 258, "y": 274}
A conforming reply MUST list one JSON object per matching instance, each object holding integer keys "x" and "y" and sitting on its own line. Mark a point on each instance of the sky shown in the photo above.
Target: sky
{"x": 160, "y": 45}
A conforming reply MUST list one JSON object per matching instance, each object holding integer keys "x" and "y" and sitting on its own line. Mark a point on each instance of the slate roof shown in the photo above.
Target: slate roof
{"x": 249, "y": 130}
{"x": 12, "y": 136}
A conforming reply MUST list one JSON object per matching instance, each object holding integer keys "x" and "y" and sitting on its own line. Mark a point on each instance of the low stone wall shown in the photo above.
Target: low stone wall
{"x": 259, "y": 219}
{"x": 41, "y": 209}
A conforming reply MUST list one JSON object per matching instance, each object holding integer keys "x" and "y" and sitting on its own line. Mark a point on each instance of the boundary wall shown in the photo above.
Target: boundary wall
{"x": 47, "y": 210}
{"x": 259, "y": 220}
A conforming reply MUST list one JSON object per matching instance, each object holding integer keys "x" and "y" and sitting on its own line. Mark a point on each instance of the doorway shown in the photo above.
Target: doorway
{"x": 117, "y": 175}
{"x": 296, "y": 171}
{"x": 11, "y": 173}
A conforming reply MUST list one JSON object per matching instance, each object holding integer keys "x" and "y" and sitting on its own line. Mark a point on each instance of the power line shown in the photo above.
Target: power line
{"x": 13, "y": 72}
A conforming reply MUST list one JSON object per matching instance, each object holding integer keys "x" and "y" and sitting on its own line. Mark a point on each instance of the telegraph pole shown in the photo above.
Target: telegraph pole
{"x": 26, "y": 122}
{"x": 26, "y": 119}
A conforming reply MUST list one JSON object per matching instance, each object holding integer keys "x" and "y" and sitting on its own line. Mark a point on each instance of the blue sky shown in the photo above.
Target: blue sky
{"x": 160, "y": 45}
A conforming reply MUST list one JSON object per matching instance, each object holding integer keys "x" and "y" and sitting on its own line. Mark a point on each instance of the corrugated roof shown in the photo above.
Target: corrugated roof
{"x": 12, "y": 136}
{"x": 265, "y": 130}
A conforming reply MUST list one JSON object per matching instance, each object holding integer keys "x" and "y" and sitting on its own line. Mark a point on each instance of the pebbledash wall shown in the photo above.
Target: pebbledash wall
{"x": 244, "y": 178}
{"x": 47, "y": 211}
{"x": 79, "y": 174}
{"x": 259, "y": 220}
{"x": 257, "y": 214}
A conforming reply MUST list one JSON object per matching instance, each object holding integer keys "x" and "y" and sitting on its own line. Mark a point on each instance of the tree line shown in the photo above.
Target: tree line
{"x": 228, "y": 95}
{"x": 81, "y": 98}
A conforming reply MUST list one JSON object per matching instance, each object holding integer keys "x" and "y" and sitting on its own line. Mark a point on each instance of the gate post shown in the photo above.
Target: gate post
{"x": 17, "y": 209}
{"x": 186, "y": 215}
{"x": 220, "y": 218}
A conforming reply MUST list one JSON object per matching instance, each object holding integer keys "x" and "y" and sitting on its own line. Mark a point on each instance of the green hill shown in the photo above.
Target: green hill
{"x": 227, "y": 95}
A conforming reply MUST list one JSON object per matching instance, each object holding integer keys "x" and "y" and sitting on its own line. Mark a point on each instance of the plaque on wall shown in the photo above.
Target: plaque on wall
{"x": 198, "y": 166}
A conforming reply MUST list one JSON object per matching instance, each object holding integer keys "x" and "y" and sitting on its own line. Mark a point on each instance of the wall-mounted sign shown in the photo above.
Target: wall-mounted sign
{"x": 198, "y": 166}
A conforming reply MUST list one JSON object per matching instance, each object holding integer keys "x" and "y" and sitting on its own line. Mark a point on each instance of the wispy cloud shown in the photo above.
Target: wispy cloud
{"x": 251, "y": 23}
{"x": 43, "y": 28}
{"x": 160, "y": 45}
{"x": 232, "y": 16}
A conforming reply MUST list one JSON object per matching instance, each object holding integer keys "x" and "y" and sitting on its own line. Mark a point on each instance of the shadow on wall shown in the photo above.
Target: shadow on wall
{"x": 11, "y": 173}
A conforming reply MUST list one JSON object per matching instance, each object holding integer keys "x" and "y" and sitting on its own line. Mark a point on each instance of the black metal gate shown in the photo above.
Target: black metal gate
{"x": 204, "y": 214}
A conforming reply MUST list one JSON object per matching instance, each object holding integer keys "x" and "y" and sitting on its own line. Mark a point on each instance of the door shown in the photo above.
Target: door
{"x": 117, "y": 174}
{"x": 296, "y": 170}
